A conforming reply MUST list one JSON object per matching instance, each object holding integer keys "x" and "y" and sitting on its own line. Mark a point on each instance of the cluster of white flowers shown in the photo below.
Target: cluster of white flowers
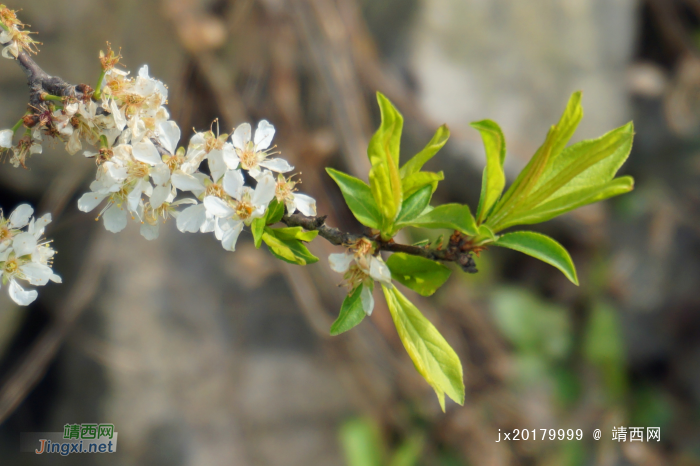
{"x": 141, "y": 169}
{"x": 361, "y": 267}
{"x": 24, "y": 254}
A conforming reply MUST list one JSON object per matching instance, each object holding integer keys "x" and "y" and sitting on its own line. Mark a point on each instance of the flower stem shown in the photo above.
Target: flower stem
{"x": 98, "y": 89}
{"x": 51, "y": 97}
{"x": 17, "y": 125}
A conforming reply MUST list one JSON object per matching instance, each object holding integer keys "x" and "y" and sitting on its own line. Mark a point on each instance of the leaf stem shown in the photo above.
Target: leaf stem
{"x": 97, "y": 95}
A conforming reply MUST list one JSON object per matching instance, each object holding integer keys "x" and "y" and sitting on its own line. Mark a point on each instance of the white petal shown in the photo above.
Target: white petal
{"x": 231, "y": 236}
{"x": 191, "y": 219}
{"x": 20, "y": 216}
{"x": 37, "y": 274}
{"x": 148, "y": 231}
{"x": 143, "y": 72}
{"x": 6, "y": 138}
{"x": 233, "y": 183}
{"x": 146, "y": 152}
{"x": 160, "y": 174}
{"x": 265, "y": 190}
{"x": 367, "y": 300}
{"x": 241, "y": 136}
{"x": 160, "y": 194}
{"x": 24, "y": 244}
{"x": 89, "y": 201}
{"x": 340, "y": 262}
{"x": 185, "y": 182}
{"x": 277, "y": 165}
{"x": 20, "y": 296}
{"x": 305, "y": 204}
{"x": 115, "y": 219}
{"x": 169, "y": 135}
{"x": 119, "y": 119}
{"x": 230, "y": 157}
{"x": 56, "y": 279}
{"x": 379, "y": 271}
{"x": 217, "y": 166}
{"x": 134, "y": 197}
{"x": 263, "y": 135}
{"x": 217, "y": 207}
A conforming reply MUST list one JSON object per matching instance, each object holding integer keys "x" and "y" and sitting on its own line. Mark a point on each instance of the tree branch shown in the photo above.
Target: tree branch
{"x": 458, "y": 249}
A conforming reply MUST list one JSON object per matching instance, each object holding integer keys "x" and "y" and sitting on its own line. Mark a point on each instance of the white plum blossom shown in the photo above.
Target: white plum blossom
{"x": 361, "y": 267}
{"x": 6, "y": 136}
{"x": 24, "y": 255}
{"x": 254, "y": 153}
{"x": 285, "y": 192}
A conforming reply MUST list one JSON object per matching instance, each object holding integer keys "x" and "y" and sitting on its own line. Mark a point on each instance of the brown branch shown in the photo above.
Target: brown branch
{"x": 458, "y": 249}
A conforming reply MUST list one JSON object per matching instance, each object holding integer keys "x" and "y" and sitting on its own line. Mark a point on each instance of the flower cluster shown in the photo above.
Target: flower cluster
{"x": 13, "y": 36}
{"x": 361, "y": 267}
{"x": 24, "y": 254}
{"x": 141, "y": 170}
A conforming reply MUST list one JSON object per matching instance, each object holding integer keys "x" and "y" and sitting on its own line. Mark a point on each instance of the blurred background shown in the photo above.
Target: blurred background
{"x": 201, "y": 357}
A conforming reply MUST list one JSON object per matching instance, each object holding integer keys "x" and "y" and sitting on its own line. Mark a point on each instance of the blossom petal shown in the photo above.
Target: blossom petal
{"x": 379, "y": 271}
{"x": 230, "y": 157}
{"x": 160, "y": 174}
{"x": 185, "y": 182}
{"x": 146, "y": 152}
{"x": 217, "y": 166}
{"x": 233, "y": 183}
{"x": 231, "y": 236}
{"x": 265, "y": 190}
{"x": 217, "y": 207}
{"x": 169, "y": 135}
{"x": 191, "y": 219}
{"x": 150, "y": 232}
{"x": 241, "y": 136}
{"x": 24, "y": 244}
{"x": 115, "y": 219}
{"x": 160, "y": 194}
{"x": 19, "y": 218}
{"x": 277, "y": 165}
{"x": 6, "y": 138}
{"x": 367, "y": 300}
{"x": 305, "y": 204}
{"x": 89, "y": 201}
{"x": 37, "y": 274}
{"x": 263, "y": 135}
{"x": 340, "y": 262}
{"x": 20, "y": 296}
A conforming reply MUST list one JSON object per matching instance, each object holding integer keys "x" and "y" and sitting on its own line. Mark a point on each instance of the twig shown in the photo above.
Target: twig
{"x": 457, "y": 250}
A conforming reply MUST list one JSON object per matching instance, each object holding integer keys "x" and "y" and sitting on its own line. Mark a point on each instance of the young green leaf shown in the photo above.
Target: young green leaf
{"x": 362, "y": 443}
{"x": 418, "y": 273}
{"x": 358, "y": 197}
{"x": 571, "y": 201}
{"x": 414, "y": 205}
{"x": 541, "y": 247}
{"x": 386, "y": 141}
{"x": 351, "y": 313}
{"x": 416, "y": 181}
{"x": 288, "y": 250}
{"x": 557, "y": 138}
{"x": 385, "y": 184}
{"x": 436, "y": 143}
{"x": 433, "y": 357}
{"x": 289, "y": 233}
{"x": 448, "y": 216}
{"x": 257, "y": 228}
{"x": 275, "y": 212}
{"x": 493, "y": 179}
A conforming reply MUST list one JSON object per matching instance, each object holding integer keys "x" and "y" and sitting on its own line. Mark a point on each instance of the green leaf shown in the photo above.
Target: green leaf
{"x": 436, "y": 143}
{"x": 571, "y": 201}
{"x": 288, "y": 250}
{"x": 422, "y": 275}
{"x": 289, "y": 233}
{"x": 409, "y": 452}
{"x": 275, "y": 212}
{"x": 257, "y": 228}
{"x": 387, "y": 140}
{"x": 358, "y": 197}
{"x": 351, "y": 313}
{"x": 433, "y": 357}
{"x": 448, "y": 216}
{"x": 415, "y": 204}
{"x": 557, "y": 138}
{"x": 362, "y": 443}
{"x": 541, "y": 247}
{"x": 416, "y": 181}
{"x": 493, "y": 179}
{"x": 385, "y": 184}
